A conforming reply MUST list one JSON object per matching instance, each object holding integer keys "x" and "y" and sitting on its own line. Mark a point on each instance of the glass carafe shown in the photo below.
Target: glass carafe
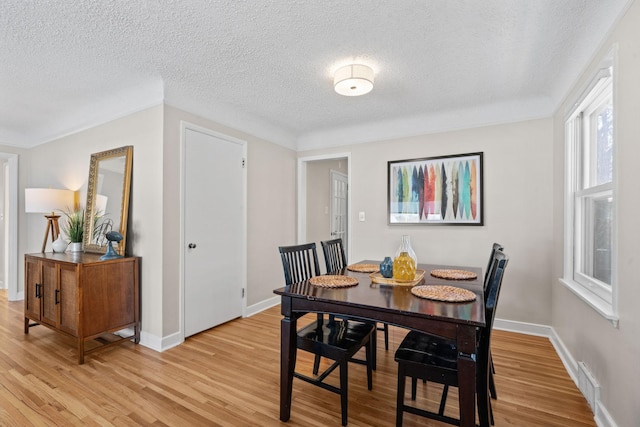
{"x": 405, "y": 261}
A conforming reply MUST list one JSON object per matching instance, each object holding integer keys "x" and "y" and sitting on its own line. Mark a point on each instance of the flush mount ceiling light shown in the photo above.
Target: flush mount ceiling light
{"x": 353, "y": 80}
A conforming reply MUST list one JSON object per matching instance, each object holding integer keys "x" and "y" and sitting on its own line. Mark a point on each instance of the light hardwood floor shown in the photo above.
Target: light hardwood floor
{"x": 229, "y": 376}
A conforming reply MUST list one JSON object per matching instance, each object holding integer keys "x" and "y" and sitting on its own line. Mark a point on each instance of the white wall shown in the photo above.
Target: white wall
{"x": 64, "y": 163}
{"x": 153, "y": 231}
{"x": 611, "y": 354}
{"x": 518, "y": 208}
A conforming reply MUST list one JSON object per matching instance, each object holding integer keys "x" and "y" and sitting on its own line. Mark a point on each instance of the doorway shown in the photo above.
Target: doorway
{"x": 214, "y": 228}
{"x": 315, "y": 204}
{"x": 9, "y": 223}
{"x": 338, "y": 192}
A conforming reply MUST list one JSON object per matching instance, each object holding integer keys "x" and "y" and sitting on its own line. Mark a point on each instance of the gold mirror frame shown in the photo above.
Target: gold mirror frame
{"x": 104, "y": 170}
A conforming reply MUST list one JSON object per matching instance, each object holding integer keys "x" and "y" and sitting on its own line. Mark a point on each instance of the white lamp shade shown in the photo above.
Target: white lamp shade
{"x": 353, "y": 80}
{"x": 47, "y": 200}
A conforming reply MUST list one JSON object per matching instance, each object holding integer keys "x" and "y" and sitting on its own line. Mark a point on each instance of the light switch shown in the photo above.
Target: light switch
{"x": 361, "y": 216}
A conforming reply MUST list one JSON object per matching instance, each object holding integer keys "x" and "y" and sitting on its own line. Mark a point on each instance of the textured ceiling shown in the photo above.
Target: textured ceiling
{"x": 265, "y": 66}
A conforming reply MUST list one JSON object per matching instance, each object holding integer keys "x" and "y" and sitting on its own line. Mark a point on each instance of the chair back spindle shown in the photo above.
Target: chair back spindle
{"x": 299, "y": 262}
{"x": 334, "y": 257}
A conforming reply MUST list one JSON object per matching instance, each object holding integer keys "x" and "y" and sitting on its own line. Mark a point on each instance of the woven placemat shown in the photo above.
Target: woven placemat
{"x": 364, "y": 268}
{"x": 329, "y": 281}
{"x": 443, "y": 293}
{"x": 454, "y": 274}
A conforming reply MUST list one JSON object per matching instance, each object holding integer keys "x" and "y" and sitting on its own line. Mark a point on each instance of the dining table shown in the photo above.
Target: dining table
{"x": 395, "y": 305}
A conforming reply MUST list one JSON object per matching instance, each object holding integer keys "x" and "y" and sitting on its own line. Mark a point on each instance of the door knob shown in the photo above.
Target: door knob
{"x": 192, "y": 245}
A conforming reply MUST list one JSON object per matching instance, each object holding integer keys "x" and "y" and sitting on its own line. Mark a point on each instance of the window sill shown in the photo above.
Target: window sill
{"x": 601, "y": 307}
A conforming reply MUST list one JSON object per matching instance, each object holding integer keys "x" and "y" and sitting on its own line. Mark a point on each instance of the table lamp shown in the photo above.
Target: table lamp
{"x": 47, "y": 201}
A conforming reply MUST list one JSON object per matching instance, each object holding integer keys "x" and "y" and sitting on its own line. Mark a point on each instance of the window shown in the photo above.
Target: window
{"x": 589, "y": 196}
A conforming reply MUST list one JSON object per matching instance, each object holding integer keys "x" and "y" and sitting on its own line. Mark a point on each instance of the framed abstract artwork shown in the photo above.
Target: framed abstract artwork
{"x": 444, "y": 190}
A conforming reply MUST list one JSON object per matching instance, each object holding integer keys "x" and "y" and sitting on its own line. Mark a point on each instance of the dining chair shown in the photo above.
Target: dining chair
{"x": 492, "y": 371}
{"x": 421, "y": 356}
{"x": 495, "y": 247}
{"x": 299, "y": 262}
{"x": 335, "y": 259}
{"x": 335, "y": 339}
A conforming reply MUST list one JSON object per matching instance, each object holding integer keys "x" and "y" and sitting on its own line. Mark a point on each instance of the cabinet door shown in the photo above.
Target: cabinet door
{"x": 68, "y": 301}
{"x": 32, "y": 288}
{"x": 49, "y": 298}
{"x": 108, "y": 296}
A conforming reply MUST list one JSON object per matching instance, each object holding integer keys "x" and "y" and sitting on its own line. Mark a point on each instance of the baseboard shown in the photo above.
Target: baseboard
{"x": 522, "y": 327}
{"x": 18, "y": 297}
{"x": 602, "y": 417}
{"x": 570, "y": 364}
{"x": 263, "y": 305}
{"x": 542, "y": 331}
{"x": 160, "y": 344}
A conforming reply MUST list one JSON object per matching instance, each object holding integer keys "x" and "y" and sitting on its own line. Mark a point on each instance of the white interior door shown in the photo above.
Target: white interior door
{"x": 339, "y": 198}
{"x": 213, "y": 230}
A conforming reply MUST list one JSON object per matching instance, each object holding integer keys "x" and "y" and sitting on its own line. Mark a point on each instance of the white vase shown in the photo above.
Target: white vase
{"x": 75, "y": 247}
{"x": 60, "y": 245}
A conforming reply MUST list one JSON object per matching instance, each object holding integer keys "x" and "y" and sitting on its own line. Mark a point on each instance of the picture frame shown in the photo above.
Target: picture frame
{"x": 442, "y": 190}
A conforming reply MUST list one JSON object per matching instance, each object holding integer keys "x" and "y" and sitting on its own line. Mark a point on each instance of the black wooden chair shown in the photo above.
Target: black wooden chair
{"x": 496, "y": 247}
{"x": 492, "y": 384}
{"x": 435, "y": 359}
{"x": 335, "y": 339}
{"x": 335, "y": 259}
{"x": 299, "y": 262}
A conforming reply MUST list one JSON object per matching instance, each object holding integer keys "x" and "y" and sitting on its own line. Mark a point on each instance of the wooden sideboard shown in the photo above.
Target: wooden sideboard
{"x": 81, "y": 296}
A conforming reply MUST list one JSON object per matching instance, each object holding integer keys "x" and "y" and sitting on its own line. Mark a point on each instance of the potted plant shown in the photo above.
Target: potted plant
{"x": 73, "y": 227}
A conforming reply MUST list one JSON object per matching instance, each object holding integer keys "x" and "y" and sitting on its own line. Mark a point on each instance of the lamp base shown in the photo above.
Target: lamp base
{"x": 111, "y": 253}
{"x": 53, "y": 228}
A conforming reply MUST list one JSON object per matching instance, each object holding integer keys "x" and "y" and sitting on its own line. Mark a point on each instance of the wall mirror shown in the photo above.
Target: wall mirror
{"x": 107, "y": 205}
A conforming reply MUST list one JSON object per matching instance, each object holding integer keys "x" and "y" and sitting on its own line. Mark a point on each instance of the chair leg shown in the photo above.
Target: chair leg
{"x": 443, "y": 400}
{"x": 386, "y": 336}
{"x": 369, "y": 354}
{"x": 482, "y": 393}
{"x": 491, "y": 414}
{"x": 344, "y": 389}
{"x": 492, "y": 384}
{"x": 385, "y": 328}
{"x": 414, "y": 387}
{"x": 374, "y": 343}
{"x": 316, "y": 360}
{"x": 400, "y": 396}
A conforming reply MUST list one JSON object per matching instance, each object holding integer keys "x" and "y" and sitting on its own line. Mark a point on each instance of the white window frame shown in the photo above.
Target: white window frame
{"x": 600, "y": 296}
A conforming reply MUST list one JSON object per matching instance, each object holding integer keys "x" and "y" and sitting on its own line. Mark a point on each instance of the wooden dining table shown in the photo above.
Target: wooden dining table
{"x": 395, "y": 305}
